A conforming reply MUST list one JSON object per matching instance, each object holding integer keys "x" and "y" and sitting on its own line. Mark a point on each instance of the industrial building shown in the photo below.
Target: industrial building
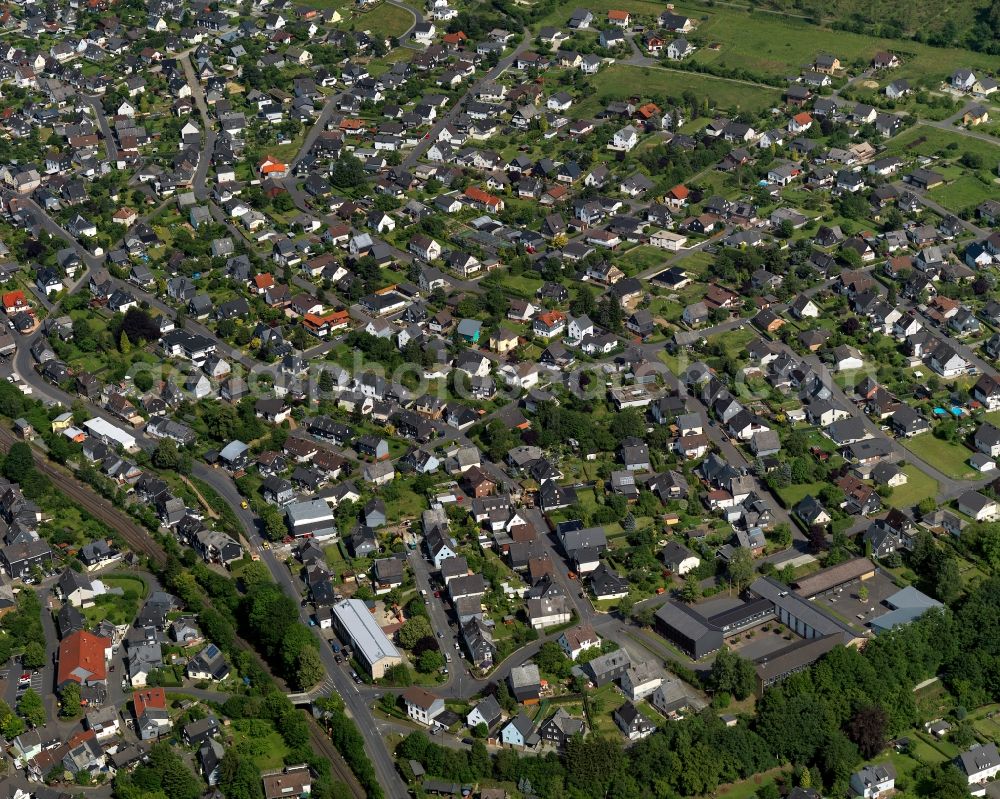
{"x": 356, "y": 626}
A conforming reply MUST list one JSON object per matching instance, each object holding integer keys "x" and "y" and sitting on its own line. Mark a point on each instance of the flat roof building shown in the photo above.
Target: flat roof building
{"x": 799, "y": 614}
{"x": 103, "y": 430}
{"x": 842, "y": 574}
{"x": 800, "y": 655}
{"x": 690, "y": 631}
{"x": 313, "y": 517}
{"x": 356, "y": 626}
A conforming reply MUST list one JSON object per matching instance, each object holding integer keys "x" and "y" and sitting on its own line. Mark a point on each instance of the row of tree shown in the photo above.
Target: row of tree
{"x": 824, "y": 720}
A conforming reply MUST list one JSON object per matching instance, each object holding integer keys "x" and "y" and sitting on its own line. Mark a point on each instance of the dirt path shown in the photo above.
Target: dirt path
{"x": 204, "y": 502}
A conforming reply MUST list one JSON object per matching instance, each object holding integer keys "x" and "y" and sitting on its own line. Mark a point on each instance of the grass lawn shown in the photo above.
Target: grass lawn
{"x": 964, "y": 187}
{"x": 745, "y": 789}
{"x": 916, "y": 488}
{"x": 114, "y": 608}
{"x": 386, "y": 20}
{"x": 952, "y": 459}
{"x": 258, "y": 740}
{"x": 793, "y": 494}
{"x": 639, "y": 259}
{"x": 921, "y": 750}
{"x": 128, "y": 583}
{"x": 694, "y": 125}
{"x": 335, "y": 559}
{"x": 407, "y": 506}
{"x": 523, "y": 286}
{"x": 988, "y": 728}
{"x": 697, "y": 263}
{"x": 773, "y": 45}
{"x": 965, "y": 192}
{"x": 621, "y": 80}
{"x": 607, "y": 700}
{"x": 734, "y": 341}
{"x": 904, "y": 764}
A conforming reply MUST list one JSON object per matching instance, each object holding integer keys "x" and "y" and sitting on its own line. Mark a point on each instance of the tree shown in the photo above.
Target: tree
{"x": 867, "y": 729}
{"x": 552, "y": 660}
{"x": 626, "y": 605}
{"x": 839, "y": 756}
{"x": 239, "y": 777}
{"x": 430, "y": 660}
{"x": 297, "y": 638}
{"x": 732, "y": 674}
{"x": 34, "y": 655}
{"x": 309, "y": 669}
{"x": 691, "y": 590}
{"x": 254, "y": 574}
{"x": 18, "y": 461}
{"x": 400, "y": 675}
{"x": 166, "y": 456}
{"x": 170, "y": 773}
{"x": 504, "y": 698}
{"x": 11, "y": 725}
{"x": 69, "y": 701}
{"x": 413, "y": 631}
{"x": 863, "y": 597}
{"x": 948, "y": 584}
{"x": 31, "y": 709}
{"x": 741, "y": 569}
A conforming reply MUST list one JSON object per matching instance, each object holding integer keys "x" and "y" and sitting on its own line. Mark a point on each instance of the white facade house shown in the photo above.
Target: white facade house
{"x": 422, "y": 706}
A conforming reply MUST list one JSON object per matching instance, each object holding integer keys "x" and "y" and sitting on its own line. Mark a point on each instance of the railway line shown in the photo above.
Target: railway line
{"x": 140, "y": 541}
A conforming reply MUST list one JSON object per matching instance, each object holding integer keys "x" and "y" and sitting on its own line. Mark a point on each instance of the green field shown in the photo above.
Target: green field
{"x": 258, "y": 740}
{"x": 966, "y": 192}
{"x": 523, "y": 286}
{"x": 128, "y": 583}
{"x": 603, "y": 703}
{"x": 384, "y": 20}
{"x": 117, "y": 609}
{"x": 639, "y": 259}
{"x": 916, "y": 488}
{"x": 621, "y": 81}
{"x": 909, "y": 18}
{"x": 951, "y": 459}
{"x": 792, "y": 495}
{"x": 925, "y": 140}
{"x": 964, "y": 187}
{"x": 734, "y": 341}
{"x": 773, "y": 45}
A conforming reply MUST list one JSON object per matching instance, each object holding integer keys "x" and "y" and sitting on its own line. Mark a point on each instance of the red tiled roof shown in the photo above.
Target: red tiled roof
{"x": 81, "y": 658}
{"x": 13, "y": 298}
{"x": 154, "y": 698}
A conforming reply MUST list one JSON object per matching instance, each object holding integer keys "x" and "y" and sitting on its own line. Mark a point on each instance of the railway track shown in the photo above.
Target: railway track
{"x": 98, "y": 507}
{"x": 324, "y": 746}
{"x": 139, "y": 540}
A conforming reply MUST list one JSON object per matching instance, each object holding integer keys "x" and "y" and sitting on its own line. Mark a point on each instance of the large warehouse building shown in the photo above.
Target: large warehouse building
{"x": 356, "y": 626}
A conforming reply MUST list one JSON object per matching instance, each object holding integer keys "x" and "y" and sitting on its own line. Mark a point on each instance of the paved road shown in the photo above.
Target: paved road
{"x": 502, "y": 65}
{"x": 200, "y": 184}
{"x": 939, "y": 209}
{"x": 102, "y": 122}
